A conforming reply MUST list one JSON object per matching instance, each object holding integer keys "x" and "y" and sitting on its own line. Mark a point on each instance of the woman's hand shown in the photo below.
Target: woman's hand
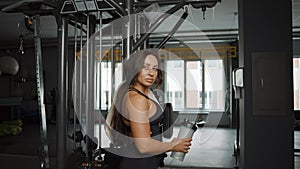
{"x": 181, "y": 145}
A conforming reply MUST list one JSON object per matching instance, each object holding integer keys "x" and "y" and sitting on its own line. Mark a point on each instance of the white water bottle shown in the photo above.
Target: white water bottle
{"x": 187, "y": 130}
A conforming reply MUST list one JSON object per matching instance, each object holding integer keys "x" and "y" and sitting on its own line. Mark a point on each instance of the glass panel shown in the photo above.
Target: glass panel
{"x": 105, "y": 84}
{"x": 182, "y": 95}
{"x": 175, "y": 83}
{"x": 184, "y": 85}
{"x": 214, "y": 85}
{"x": 107, "y": 90}
{"x": 193, "y": 84}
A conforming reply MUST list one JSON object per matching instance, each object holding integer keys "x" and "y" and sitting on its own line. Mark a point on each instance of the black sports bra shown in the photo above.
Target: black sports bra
{"x": 157, "y": 115}
{"x": 155, "y": 120}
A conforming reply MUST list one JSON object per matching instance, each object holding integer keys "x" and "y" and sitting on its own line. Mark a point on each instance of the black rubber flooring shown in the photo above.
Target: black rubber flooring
{"x": 216, "y": 152}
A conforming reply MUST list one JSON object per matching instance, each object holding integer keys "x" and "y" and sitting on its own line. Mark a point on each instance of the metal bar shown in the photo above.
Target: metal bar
{"x": 90, "y": 99}
{"x": 124, "y": 48}
{"x": 88, "y": 132}
{"x": 165, "y": 2}
{"x": 136, "y": 25}
{"x": 168, "y": 2}
{"x": 80, "y": 74}
{"x": 75, "y": 82}
{"x": 146, "y": 27}
{"x": 112, "y": 63}
{"x": 13, "y": 6}
{"x": 114, "y": 14}
{"x": 67, "y": 87}
{"x": 176, "y": 27}
{"x": 118, "y": 8}
{"x": 157, "y": 23}
{"x": 61, "y": 112}
{"x": 99, "y": 80}
{"x": 75, "y": 24}
{"x": 44, "y": 161}
{"x": 129, "y": 25}
{"x": 203, "y": 83}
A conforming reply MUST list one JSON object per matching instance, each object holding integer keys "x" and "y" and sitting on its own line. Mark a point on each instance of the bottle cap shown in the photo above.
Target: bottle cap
{"x": 189, "y": 124}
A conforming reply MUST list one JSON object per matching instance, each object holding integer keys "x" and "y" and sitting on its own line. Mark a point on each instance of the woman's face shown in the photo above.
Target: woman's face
{"x": 148, "y": 74}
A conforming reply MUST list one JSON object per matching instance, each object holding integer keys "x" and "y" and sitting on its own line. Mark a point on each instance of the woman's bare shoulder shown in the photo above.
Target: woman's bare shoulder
{"x": 137, "y": 100}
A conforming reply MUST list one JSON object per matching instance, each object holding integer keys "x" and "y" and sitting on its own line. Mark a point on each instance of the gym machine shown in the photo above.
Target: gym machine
{"x": 129, "y": 41}
{"x": 86, "y": 16}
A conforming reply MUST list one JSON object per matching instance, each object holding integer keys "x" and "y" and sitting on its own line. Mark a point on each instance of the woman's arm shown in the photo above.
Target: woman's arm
{"x": 138, "y": 112}
{"x": 145, "y": 144}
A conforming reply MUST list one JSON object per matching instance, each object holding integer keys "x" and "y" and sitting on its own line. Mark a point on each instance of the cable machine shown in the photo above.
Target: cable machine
{"x": 86, "y": 16}
{"x": 130, "y": 40}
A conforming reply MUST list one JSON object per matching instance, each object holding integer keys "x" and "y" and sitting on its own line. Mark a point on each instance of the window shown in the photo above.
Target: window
{"x": 214, "y": 85}
{"x": 187, "y": 84}
{"x": 193, "y": 84}
{"x": 173, "y": 80}
{"x": 108, "y": 78}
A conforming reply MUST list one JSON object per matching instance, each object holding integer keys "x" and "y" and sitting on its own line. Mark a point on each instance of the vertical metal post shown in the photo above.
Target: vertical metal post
{"x": 90, "y": 96}
{"x": 113, "y": 63}
{"x": 80, "y": 73}
{"x": 75, "y": 82}
{"x": 61, "y": 111}
{"x": 203, "y": 84}
{"x": 44, "y": 156}
{"x": 129, "y": 27}
{"x": 99, "y": 80}
{"x": 87, "y": 101}
{"x": 127, "y": 44}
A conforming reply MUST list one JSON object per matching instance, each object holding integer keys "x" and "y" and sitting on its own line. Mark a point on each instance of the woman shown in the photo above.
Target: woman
{"x": 137, "y": 115}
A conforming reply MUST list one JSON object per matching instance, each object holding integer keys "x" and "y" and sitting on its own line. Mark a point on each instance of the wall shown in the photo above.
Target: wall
{"x": 23, "y": 84}
{"x": 27, "y": 68}
{"x": 265, "y": 52}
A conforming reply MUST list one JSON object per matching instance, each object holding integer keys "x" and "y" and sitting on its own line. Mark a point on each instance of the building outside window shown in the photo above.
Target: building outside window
{"x": 107, "y": 89}
{"x": 193, "y": 82}
{"x": 187, "y": 85}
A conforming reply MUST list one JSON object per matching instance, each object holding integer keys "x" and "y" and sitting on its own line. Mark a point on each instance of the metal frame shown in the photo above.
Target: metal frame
{"x": 61, "y": 113}
{"x": 44, "y": 152}
{"x": 64, "y": 13}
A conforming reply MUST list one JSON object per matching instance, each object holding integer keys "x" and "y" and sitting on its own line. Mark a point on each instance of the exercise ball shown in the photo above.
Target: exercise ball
{"x": 9, "y": 65}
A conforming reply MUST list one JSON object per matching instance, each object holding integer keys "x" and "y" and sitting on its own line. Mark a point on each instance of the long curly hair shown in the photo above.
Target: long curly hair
{"x": 131, "y": 67}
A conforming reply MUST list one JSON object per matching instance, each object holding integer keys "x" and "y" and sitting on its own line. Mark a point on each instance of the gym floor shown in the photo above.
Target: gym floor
{"x": 211, "y": 149}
